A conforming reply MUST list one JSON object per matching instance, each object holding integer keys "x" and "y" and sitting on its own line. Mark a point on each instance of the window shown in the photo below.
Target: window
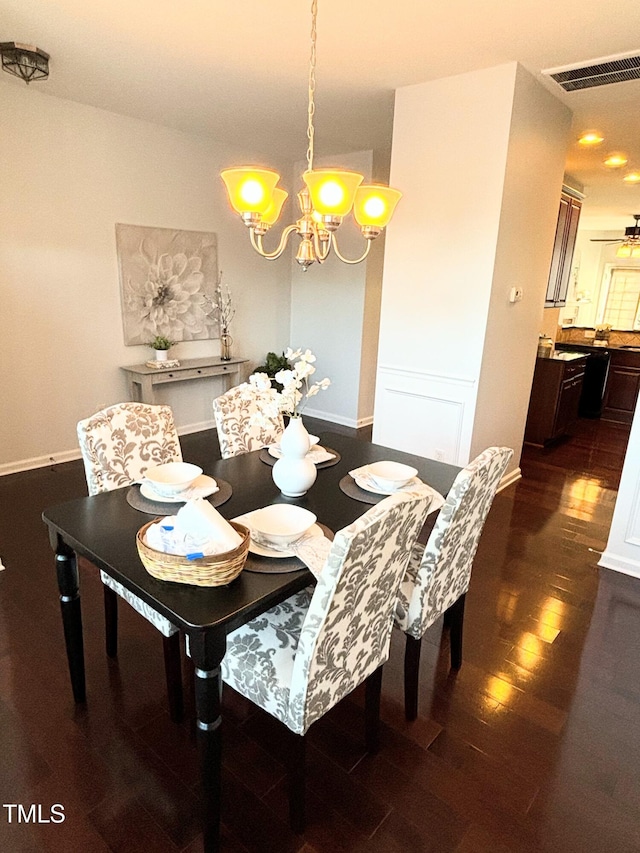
{"x": 623, "y": 298}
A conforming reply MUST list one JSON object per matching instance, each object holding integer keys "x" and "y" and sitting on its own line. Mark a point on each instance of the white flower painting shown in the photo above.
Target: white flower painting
{"x": 167, "y": 283}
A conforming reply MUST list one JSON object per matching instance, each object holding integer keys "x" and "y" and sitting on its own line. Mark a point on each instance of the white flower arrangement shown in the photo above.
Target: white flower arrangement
{"x": 222, "y": 305}
{"x": 295, "y": 381}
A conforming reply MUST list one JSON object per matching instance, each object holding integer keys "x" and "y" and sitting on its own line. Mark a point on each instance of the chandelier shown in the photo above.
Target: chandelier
{"x": 327, "y": 197}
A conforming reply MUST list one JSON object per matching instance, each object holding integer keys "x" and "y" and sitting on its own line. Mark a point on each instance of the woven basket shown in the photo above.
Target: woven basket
{"x": 217, "y": 570}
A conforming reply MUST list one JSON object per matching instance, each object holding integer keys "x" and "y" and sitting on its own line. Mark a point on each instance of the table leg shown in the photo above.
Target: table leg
{"x": 69, "y": 587}
{"x": 147, "y": 394}
{"x": 207, "y": 650}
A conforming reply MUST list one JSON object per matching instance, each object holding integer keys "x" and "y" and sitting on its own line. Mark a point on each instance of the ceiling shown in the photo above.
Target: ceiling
{"x": 238, "y": 70}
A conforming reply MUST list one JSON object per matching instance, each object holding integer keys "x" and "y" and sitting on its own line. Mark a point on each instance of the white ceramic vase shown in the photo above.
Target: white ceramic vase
{"x": 162, "y": 354}
{"x": 294, "y": 473}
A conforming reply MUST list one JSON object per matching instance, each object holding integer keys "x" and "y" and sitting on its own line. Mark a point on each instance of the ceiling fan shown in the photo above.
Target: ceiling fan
{"x": 630, "y": 247}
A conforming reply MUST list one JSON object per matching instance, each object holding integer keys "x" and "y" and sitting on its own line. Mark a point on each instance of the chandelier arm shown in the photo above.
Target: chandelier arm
{"x": 321, "y": 253}
{"x": 344, "y": 260}
{"x": 256, "y": 242}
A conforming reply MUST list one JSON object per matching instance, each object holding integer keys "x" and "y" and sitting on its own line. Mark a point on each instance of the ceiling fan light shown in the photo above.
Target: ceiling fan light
{"x": 616, "y": 160}
{"x": 624, "y": 251}
{"x": 591, "y": 138}
{"x": 635, "y": 251}
{"x": 332, "y": 191}
{"x": 375, "y": 205}
{"x": 250, "y": 190}
{"x": 632, "y": 177}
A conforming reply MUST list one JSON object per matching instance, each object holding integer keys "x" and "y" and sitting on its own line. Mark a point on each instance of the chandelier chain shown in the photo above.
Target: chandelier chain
{"x": 312, "y": 84}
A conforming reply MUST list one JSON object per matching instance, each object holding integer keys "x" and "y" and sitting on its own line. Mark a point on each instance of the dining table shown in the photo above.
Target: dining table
{"x": 102, "y": 528}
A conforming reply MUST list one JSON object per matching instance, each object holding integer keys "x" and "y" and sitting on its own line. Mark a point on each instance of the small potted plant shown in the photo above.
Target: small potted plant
{"x": 161, "y": 345}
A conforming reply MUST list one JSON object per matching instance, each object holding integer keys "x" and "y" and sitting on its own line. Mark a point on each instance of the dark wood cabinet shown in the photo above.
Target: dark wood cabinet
{"x": 623, "y": 384}
{"x": 555, "y": 397}
{"x": 563, "y": 246}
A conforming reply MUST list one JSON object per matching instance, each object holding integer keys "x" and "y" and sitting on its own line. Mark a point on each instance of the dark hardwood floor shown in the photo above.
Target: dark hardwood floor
{"x": 533, "y": 746}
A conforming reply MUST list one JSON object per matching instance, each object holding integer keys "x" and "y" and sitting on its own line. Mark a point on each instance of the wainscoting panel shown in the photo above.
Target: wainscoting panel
{"x": 424, "y": 413}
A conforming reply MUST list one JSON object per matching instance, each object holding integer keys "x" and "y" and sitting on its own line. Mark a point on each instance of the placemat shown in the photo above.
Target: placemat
{"x": 349, "y": 486}
{"x": 271, "y": 460}
{"x": 138, "y": 501}
{"x": 279, "y": 565}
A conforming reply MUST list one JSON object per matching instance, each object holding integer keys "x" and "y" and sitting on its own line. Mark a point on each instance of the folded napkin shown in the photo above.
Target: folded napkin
{"x": 312, "y": 550}
{"x": 198, "y": 530}
{"x": 362, "y": 474}
{"x": 316, "y": 455}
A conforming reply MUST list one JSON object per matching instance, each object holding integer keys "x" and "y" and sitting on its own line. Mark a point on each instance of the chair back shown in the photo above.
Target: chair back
{"x": 242, "y": 424}
{"x": 441, "y": 574}
{"x": 120, "y": 442}
{"x": 347, "y": 628}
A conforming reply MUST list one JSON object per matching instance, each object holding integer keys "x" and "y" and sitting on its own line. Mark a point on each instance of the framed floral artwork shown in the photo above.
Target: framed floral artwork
{"x": 167, "y": 283}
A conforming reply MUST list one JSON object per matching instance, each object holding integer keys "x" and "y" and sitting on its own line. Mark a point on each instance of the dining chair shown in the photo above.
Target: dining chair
{"x": 118, "y": 444}
{"x": 438, "y": 574}
{"x": 239, "y": 428}
{"x": 297, "y": 660}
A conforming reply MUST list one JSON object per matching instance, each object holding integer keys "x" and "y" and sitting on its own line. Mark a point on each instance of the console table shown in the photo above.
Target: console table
{"x": 142, "y": 379}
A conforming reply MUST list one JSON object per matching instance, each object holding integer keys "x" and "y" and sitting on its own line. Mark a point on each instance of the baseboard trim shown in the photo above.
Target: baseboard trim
{"x": 620, "y": 564}
{"x": 187, "y": 429}
{"x": 510, "y": 478}
{"x": 339, "y": 419}
{"x": 34, "y": 462}
{"x": 38, "y": 462}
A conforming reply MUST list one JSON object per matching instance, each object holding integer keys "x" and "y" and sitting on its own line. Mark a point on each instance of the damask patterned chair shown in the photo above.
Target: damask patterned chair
{"x": 438, "y": 574}
{"x": 118, "y": 444}
{"x": 234, "y": 413}
{"x": 300, "y": 658}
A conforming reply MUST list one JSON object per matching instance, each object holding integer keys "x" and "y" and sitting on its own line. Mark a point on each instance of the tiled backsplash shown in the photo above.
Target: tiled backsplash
{"x": 576, "y": 336}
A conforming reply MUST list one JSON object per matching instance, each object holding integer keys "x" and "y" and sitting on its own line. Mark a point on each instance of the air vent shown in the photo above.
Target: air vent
{"x": 599, "y": 72}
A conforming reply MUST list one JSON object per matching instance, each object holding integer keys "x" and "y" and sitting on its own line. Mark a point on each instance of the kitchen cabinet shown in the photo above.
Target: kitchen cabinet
{"x": 623, "y": 384}
{"x": 563, "y": 246}
{"x": 555, "y": 396}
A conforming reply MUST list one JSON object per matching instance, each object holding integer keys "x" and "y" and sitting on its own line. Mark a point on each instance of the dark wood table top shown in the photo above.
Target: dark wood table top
{"x": 103, "y": 527}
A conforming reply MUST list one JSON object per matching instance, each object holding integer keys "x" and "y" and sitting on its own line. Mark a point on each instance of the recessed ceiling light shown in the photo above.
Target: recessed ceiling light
{"x": 615, "y": 160}
{"x": 590, "y": 138}
{"x": 632, "y": 178}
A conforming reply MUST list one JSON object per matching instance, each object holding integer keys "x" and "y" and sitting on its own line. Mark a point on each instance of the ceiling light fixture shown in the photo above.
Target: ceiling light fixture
{"x": 632, "y": 177}
{"x": 24, "y": 61}
{"x": 590, "y": 138}
{"x": 616, "y": 160}
{"x": 630, "y": 248}
{"x": 329, "y": 195}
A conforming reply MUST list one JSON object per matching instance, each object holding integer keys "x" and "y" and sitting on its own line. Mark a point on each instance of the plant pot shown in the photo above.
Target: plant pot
{"x": 294, "y": 473}
{"x": 162, "y": 354}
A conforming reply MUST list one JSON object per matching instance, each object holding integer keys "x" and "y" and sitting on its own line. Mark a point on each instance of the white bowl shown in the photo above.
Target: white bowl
{"x": 281, "y": 523}
{"x": 171, "y": 478}
{"x": 391, "y": 475}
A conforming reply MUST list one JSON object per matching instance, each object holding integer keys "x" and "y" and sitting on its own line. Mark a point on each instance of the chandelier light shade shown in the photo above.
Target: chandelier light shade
{"x": 327, "y": 197}
{"x": 24, "y": 61}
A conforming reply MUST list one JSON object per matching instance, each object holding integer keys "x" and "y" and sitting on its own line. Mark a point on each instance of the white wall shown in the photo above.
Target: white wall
{"x": 458, "y": 144}
{"x": 538, "y": 138}
{"x": 328, "y": 314}
{"x": 68, "y": 173}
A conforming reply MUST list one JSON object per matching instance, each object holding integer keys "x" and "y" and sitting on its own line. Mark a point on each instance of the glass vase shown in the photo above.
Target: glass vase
{"x": 225, "y": 345}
